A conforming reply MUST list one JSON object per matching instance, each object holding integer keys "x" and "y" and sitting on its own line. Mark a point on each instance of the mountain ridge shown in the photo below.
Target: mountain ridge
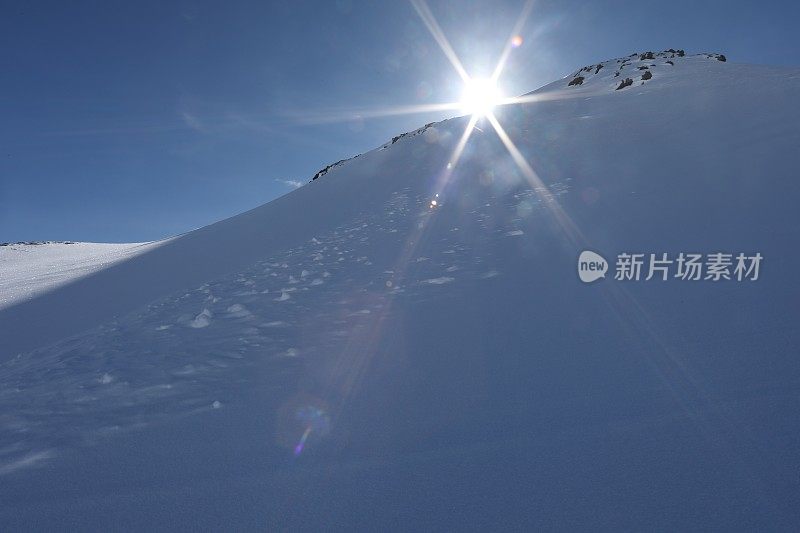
{"x": 668, "y": 56}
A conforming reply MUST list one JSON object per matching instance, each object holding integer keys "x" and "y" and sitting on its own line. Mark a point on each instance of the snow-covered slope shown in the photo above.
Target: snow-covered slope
{"x": 30, "y": 269}
{"x": 349, "y": 356}
{"x": 636, "y": 70}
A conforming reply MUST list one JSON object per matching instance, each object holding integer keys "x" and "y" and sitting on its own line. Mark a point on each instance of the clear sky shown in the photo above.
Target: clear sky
{"x": 133, "y": 121}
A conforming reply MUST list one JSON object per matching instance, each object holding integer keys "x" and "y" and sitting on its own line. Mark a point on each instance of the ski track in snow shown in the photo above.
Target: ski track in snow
{"x": 201, "y": 348}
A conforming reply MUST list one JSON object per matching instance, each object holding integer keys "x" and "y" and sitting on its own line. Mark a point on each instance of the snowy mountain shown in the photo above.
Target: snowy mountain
{"x": 354, "y": 355}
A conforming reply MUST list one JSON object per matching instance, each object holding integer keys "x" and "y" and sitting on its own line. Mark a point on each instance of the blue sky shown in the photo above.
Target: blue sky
{"x": 133, "y": 121}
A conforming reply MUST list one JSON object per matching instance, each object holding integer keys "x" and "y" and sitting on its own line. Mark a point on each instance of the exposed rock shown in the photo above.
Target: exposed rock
{"x": 624, "y": 83}
{"x": 576, "y": 81}
{"x": 35, "y": 243}
{"x": 647, "y": 75}
{"x": 325, "y": 170}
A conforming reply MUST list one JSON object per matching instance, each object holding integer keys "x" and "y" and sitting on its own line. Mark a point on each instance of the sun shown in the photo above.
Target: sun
{"x": 479, "y": 97}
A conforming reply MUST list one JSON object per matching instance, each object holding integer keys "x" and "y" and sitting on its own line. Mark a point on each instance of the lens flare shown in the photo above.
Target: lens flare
{"x": 311, "y": 419}
{"x": 300, "y": 445}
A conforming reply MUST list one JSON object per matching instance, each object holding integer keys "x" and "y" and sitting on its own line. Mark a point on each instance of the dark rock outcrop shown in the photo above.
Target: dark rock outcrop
{"x": 627, "y": 82}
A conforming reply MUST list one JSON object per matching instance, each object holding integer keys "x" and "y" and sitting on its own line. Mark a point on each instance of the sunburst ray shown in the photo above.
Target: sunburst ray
{"x": 523, "y": 17}
{"x": 427, "y": 17}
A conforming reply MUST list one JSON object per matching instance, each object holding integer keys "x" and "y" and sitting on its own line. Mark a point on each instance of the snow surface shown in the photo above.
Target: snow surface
{"x": 347, "y": 357}
{"x": 30, "y": 269}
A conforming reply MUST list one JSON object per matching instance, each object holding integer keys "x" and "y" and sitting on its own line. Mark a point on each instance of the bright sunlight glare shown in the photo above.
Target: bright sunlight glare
{"x": 479, "y": 97}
